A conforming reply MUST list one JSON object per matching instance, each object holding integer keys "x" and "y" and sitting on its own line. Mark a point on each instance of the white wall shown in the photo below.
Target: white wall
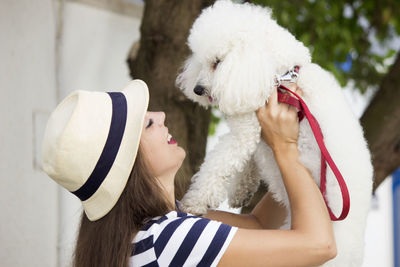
{"x": 94, "y": 48}
{"x": 28, "y": 199}
{"x": 39, "y": 219}
{"x": 379, "y": 232}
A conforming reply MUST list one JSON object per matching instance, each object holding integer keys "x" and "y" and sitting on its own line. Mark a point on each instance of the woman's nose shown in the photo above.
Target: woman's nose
{"x": 162, "y": 117}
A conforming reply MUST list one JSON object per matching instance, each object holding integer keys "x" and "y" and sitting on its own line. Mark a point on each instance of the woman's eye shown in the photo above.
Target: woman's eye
{"x": 215, "y": 64}
{"x": 149, "y": 123}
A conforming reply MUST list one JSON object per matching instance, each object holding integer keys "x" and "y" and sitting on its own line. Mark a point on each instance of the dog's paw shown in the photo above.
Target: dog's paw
{"x": 195, "y": 202}
{"x": 195, "y": 209}
{"x": 236, "y": 202}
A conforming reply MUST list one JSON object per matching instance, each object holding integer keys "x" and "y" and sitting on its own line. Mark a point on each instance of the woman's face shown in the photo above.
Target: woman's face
{"x": 162, "y": 152}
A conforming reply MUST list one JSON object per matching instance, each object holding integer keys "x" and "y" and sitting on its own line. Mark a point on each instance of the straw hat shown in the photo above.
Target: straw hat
{"x": 90, "y": 144}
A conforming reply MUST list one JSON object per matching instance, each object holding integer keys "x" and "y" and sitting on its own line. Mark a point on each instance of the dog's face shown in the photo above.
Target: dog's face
{"x": 235, "y": 57}
{"x": 225, "y": 79}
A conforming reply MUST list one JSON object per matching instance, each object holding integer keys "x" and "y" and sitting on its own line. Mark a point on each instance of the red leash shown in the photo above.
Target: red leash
{"x": 325, "y": 156}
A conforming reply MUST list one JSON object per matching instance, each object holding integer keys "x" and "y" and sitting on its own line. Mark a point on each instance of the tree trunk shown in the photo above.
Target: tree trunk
{"x": 381, "y": 122}
{"x": 161, "y": 52}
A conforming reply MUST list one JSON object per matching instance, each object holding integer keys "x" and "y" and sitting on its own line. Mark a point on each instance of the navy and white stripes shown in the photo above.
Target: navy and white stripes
{"x": 180, "y": 239}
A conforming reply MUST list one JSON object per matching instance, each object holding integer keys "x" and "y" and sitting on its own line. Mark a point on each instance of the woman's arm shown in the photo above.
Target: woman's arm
{"x": 267, "y": 214}
{"x": 310, "y": 242}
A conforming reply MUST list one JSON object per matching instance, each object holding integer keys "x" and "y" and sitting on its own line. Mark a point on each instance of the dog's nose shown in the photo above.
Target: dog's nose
{"x": 199, "y": 90}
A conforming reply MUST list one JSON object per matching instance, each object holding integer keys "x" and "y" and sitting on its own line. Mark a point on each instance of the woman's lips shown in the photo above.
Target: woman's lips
{"x": 172, "y": 141}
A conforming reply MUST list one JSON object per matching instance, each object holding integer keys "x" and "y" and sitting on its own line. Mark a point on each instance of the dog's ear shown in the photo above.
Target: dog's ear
{"x": 243, "y": 80}
{"x": 187, "y": 79}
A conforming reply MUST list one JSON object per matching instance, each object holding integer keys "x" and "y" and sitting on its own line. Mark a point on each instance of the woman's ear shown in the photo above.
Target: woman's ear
{"x": 244, "y": 80}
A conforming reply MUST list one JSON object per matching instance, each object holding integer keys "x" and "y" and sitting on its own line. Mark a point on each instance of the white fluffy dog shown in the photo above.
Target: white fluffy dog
{"x": 238, "y": 50}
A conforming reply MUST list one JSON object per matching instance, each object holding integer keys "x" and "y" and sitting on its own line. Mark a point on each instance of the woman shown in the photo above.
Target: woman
{"x": 121, "y": 162}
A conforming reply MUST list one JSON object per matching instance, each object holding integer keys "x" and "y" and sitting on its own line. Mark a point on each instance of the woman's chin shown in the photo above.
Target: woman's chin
{"x": 182, "y": 155}
{"x": 183, "y": 152}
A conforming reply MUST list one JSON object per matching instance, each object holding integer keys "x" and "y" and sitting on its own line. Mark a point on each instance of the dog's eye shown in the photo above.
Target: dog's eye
{"x": 215, "y": 64}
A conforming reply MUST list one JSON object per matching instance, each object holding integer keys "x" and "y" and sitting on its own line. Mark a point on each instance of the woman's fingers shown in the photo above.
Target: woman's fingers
{"x": 273, "y": 98}
{"x": 274, "y": 106}
{"x": 293, "y": 88}
{"x": 271, "y": 104}
{"x": 261, "y": 111}
{"x": 279, "y": 123}
{"x": 299, "y": 91}
{"x": 293, "y": 110}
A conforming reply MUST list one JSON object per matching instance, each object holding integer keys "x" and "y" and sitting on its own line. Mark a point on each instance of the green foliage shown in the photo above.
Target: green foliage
{"x": 333, "y": 30}
{"x": 215, "y": 118}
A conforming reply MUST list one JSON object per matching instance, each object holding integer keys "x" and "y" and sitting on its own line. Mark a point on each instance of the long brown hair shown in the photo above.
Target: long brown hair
{"x": 108, "y": 241}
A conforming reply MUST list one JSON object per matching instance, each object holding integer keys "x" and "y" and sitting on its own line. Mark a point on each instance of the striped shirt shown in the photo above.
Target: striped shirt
{"x": 181, "y": 239}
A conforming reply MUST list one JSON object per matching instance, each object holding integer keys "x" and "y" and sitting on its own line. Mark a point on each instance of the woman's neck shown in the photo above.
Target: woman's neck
{"x": 168, "y": 186}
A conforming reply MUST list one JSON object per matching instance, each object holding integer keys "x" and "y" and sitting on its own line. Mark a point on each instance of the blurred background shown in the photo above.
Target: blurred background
{"x": 50, "y": 48}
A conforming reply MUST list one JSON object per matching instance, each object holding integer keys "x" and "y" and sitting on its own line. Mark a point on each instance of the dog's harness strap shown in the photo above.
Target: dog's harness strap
{"x": 325, "y": 156}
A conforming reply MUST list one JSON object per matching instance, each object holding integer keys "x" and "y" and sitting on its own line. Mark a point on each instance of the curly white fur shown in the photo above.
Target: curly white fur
{"x": 237, "y": 49}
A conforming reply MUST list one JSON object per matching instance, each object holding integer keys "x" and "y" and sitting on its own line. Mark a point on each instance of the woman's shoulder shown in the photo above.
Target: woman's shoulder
{"x": 157, "y": 224}
{"x": 179, "y": 237}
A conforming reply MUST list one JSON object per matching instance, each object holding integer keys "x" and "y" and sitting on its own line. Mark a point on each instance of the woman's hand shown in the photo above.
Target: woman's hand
{"x": 310, "y": 240}
{"x": 279, "y": 121}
